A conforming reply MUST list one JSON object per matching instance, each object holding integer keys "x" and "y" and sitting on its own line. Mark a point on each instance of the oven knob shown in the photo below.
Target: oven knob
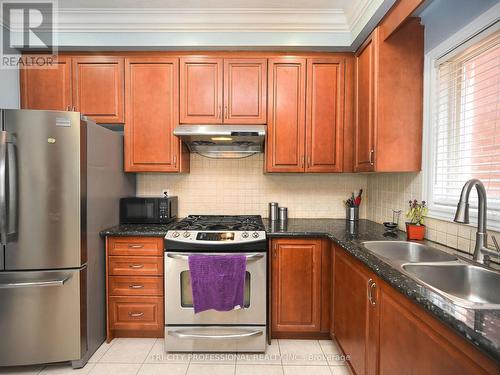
{"x": 175, "y": 234}
{"x": 255, "y": 235}
{"x": 186, "y": 234}
{"x": 244, "y": 235}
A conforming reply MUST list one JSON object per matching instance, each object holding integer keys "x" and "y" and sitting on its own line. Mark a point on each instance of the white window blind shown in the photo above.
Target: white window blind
{"x": 465, "y": 124}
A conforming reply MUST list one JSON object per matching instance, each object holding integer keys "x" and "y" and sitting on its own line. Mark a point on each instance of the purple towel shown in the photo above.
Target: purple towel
{"x": 217, "y": 281}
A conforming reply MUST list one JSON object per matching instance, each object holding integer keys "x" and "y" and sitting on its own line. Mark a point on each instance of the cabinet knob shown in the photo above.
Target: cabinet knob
{"x": 136, "y": 266}
{"x": 135, "y": 314}
{"x": 226, "y": 114}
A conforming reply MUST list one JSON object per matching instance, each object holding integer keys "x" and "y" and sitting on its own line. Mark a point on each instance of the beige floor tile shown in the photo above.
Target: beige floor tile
{"x": 100, "y": 352}
{"x": 302, "y": 352}
{"x": 159, "y": 355}
{"x": 306, "y": 370}
{"x": 259, "y": 370}
{"x": 340, "y": 370}
{"x": 333, "y": 353}
{"x": 128, "y": 351}
{"x": 208, "y": 369}
{"x": 66, "y": 369}
{"x": 214, "y": 358}
{"x": 270, "y": 357}
{"x": 28, "y": 370}
{"x": 163, "y": 369}
{"x": 115, "y": 369}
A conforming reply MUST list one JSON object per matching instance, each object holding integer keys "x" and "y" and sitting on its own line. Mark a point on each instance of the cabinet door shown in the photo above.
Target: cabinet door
{"x": 245, "y": 91}
{"x": 286, "y": 123}
{"x": 201, "y": 90}
{"x": 355, "y": 319}
{"x": 325, "y": 115}
{"x": 98, "y": 88}
{"x": 296, "y": 286}
{"x": 151, "y": 86}
{"x": 409, "y": 344}
{"x": 47, "y": 88}
{"x": 364, "y": 107}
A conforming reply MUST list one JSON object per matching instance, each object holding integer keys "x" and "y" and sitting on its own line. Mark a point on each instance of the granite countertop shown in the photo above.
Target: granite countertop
{"x": 137, "y": 230}
{"x": 480, "y": 327}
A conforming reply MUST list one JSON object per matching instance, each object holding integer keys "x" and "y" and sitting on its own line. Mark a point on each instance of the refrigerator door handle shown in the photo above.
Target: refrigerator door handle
{"x": 28, "y": 284}
{"x": 8, "y": 187}
{"x": 12, "y": 187}
{"x": 3, "y": 187}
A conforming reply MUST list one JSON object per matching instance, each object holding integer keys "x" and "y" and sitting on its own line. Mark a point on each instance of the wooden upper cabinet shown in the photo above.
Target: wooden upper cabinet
{"x": 388, "y": 100}
{"x": 245, "y": 88}
{"x": 201, "y": 90}
{"x": 286, "y": 123}
{"x": 296, "y": 286}
{"x": 364, "y": 120}
{"x": 98, "y": 88}
{"x": 47, "y": 89}
{"x": 325, "y": 114}
{"x": 151, "y": 87}
{"x": 355, "y": 317}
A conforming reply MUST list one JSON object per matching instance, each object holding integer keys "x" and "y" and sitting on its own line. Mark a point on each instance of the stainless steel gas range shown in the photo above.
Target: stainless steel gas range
{"x": 242, "y": 330}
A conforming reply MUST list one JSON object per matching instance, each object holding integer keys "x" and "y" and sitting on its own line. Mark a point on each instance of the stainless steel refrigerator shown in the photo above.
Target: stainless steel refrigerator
{"x": 61, "y": 178}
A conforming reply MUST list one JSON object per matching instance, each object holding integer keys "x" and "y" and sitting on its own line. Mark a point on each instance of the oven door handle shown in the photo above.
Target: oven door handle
{"x": 186, "y": 335}
{"x": 250, "y": 257}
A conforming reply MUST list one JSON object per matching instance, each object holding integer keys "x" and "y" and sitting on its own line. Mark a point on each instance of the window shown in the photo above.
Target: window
{"x": 463, "y": 132}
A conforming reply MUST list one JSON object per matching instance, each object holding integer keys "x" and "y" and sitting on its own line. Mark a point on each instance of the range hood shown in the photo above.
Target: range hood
{"x": 223, "y": 141}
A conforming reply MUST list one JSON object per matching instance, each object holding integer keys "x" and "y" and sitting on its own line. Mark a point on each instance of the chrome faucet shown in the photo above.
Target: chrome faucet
{"x": 481, "y": 251}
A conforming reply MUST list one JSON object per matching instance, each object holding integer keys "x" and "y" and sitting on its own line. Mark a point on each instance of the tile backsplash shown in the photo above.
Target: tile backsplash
{"x": 387, "y": 191}
{"x": 239, "y": 186}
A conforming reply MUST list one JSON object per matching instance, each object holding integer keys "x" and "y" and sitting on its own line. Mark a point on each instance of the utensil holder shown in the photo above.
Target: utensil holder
{"x": 352, "y": 213}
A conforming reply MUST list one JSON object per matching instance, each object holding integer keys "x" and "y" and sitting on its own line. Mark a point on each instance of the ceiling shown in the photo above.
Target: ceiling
{"x": 331, "y": 24}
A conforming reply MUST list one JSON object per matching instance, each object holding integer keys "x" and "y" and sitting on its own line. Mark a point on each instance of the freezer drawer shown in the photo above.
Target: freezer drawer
{"x": 215, "y": 338}
{"x": 41, "y": 316}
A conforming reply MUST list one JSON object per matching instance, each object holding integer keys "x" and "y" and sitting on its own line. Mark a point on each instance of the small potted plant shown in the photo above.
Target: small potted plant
{"x": 415, "y": 228}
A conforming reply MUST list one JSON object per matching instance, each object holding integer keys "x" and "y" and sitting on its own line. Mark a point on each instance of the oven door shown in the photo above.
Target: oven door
{"x": 179, "y": 300}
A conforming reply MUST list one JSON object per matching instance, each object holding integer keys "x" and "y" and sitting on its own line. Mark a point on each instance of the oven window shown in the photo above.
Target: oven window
{"x": 140, "y": 210}
{"x": 187, "y": 294}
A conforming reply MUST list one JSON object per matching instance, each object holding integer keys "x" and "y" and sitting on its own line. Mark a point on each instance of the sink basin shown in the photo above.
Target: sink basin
{"x": 466, "y": 285}
{"x": 405, "y": 251}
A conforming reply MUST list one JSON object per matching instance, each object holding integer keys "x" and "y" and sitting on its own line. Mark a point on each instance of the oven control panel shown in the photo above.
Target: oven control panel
{"x": 215, "y": 236}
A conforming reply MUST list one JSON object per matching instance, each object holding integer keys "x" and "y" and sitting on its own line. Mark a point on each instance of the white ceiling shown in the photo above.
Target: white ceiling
{"x": 183, "y": 23}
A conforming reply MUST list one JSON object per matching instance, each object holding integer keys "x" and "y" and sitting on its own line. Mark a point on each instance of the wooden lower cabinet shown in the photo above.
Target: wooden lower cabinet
{"x": 299, "y": 303}
{"x": 134, "y": 287}
{"x": 383, "y": 332}
{"x": 413, "y": 342}
{"x": 355, "y": 312}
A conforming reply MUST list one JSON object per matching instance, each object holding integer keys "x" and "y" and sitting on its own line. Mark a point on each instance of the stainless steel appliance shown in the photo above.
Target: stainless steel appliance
{"x": 60, "y": 180}
{"x": 242, "y": 330}
{"x": 223, "y": 141}
{"x": 142, "y": 210}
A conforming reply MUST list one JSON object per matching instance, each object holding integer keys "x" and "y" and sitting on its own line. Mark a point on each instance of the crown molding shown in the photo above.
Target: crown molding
{"x": 201, "y": 20}
{"x": 278, "y": 27}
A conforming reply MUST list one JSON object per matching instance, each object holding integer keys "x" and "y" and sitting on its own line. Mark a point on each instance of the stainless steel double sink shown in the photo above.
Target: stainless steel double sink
{"x": 466, "y": 285}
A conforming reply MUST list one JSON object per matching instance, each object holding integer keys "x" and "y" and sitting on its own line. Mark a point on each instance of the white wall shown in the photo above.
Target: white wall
{"x": 9, "y": 88}
{"x": 442, "y": 18}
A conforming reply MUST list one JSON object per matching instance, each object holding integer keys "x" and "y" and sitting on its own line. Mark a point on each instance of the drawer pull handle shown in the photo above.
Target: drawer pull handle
{"x": 136, "y": 246}
{"x": 136, "y": 266}
{"x": 132, "y": 286}
{"x": 135, "y": 314}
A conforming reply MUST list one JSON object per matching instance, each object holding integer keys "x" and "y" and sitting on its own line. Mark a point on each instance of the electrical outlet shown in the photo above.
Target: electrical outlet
{"x": 165, "y": 192}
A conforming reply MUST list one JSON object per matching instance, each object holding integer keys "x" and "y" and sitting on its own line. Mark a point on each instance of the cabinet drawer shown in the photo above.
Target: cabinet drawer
{"x": 136, "y": 313}
{"x": 135, "y": 266}
{"x": 135, "y": 286}
{"x": 151, "y": 246}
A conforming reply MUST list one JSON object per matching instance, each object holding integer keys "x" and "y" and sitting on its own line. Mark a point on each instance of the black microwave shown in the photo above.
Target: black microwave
{"x": 145, "y": 210}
